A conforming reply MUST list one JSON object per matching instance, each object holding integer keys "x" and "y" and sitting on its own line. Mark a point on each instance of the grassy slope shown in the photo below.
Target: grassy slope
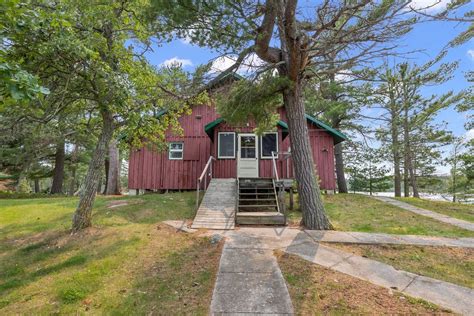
{"x": 316, "y": 290}
{"x": 457, "y": 210}
{"x": 125, "y": 264}
{"x": 353, "y": 212}
{"x": 453, "y": 265}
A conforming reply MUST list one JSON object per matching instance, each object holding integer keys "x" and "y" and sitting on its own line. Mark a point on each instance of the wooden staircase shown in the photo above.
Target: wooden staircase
{"x": 257, "y": 202}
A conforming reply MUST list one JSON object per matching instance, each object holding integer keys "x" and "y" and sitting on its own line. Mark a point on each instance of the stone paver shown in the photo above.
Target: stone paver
{"x": 379, "y": 238}
{"x": 440, "y": 217}
{"x": 457, "y": 298}
{"x": 181, "y": 226}
{"x": 249, "y": 281}
{"x": 252, "y": 246}
{"x": 217, "y": 209}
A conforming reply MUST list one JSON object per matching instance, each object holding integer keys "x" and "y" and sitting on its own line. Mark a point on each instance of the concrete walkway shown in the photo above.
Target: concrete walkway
{"x": 378, "y": 238}
{"x": 457, "y": 298}
{"x": 437, "y": 216}
{"x": 249, "y": 281}
{"x": 304, "y": 245}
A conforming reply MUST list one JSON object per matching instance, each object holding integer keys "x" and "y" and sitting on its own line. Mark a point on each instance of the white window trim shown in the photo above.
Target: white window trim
{"x": 261, "y": 145}
{"x": 218, "y": 146}
{"x": 176, "y": 150}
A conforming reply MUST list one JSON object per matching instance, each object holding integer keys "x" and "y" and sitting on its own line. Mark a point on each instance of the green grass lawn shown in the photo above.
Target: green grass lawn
{"x": 455, "y": 265}
{"x": 457, "y": 210}
{"x": 354, "y": 212}
{"x": 125, "y": 264}
{"x": 315, "y": 290}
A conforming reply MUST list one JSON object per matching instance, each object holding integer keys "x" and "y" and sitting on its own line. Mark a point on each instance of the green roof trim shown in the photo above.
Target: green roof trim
{"x": 282, "y": 124}
{"x": 210, "y": 126}
{"x": 338, "y": 135}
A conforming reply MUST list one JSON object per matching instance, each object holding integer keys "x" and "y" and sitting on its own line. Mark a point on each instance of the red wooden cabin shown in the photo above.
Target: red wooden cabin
{"x": 239, "y": 152}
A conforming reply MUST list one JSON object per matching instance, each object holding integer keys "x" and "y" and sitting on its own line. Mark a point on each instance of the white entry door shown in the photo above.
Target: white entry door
{"x": 247, "y": 158}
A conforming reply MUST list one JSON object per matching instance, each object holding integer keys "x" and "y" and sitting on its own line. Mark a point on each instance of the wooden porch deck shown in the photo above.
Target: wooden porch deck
{"x": 217, "y": 209}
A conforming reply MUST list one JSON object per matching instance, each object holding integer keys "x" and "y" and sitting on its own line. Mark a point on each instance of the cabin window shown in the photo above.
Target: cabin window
{"x": 176, "y": 151}
{"x": 269, "y": 143}
{"x": 226, "y": 146}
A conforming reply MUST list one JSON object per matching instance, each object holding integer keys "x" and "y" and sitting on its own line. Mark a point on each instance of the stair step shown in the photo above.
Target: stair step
{"x": 272, "y": 199}
{"x": 261, "y": 218}
{"x": 257, "y": 205}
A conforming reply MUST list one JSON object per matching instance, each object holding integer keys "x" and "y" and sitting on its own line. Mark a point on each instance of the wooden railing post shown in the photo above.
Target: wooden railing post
{"x": 204, "y": 175}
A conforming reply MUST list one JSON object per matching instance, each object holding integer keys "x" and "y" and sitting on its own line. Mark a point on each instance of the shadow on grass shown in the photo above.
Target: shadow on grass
{"x": 152, "y": 208}
{"x": 178, "y": 282}
{"x": 17, "y": 269}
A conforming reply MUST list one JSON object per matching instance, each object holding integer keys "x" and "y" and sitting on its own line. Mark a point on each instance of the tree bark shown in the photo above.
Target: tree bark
{"x": 340, "y": 175}
{"x": 406, "y": 183}
{"x": 411, "y": 169}
{"x": 106, "y": 168}
{"x": 58, "y": 172}
{"x": 396, "y": 160}
{"x": 113, "y": 178}
{"x": 83, "y": 216}
{"x": 311, "y": 204}
{"x": 37, "y": 185}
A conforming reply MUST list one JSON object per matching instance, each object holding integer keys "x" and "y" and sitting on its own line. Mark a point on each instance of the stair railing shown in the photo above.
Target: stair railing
{"x": 275, "y": 169}
{"x": 205, "y": 173}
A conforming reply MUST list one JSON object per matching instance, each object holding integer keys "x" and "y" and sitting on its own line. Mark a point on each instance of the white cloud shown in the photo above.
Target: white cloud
{"x": 469, "y": 134}
{"x": 429, "y": 5}
{"x": 176, "y": 61}
{"x": 470, "y": 53}
{"x": 251, "y": 62}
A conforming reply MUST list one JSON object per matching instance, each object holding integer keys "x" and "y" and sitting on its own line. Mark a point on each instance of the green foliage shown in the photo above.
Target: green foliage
{"x": 258, "y": 101}
{"x": 367, "y": 170}
{"x": 23, "y": 186}
{"x": 16, "y": 84}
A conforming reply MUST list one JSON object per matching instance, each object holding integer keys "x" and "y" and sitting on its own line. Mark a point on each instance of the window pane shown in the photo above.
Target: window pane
{"x": 176, "y": 154}
{"x": 226, "y": 145}
{"x": 178, "y": 146}
{"x": 247, "y": 141}
{"x": 247, "y": 152}
{"x": 269, "y": 144}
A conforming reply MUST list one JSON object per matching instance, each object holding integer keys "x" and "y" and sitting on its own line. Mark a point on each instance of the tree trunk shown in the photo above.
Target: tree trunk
{"x": 58, "y": 172}
{"x": 311, "y": 204}
{"x": 411, "y": 170}
{"x": 406, "y": 183}
{"x": 106, "y": 168}
{"x": 37, "y": 185}
{"x": 113, "y": 178}
{"x": 341, "y": 178}
{"x": 72, "y": 182}
{"x": 83, "y": 215}
{"x": 396, "y": 161}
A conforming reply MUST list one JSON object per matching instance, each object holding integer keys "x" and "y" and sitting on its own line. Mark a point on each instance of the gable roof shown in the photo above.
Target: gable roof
{"x": 209, "y": 128}
{"x": 336, "y": 134}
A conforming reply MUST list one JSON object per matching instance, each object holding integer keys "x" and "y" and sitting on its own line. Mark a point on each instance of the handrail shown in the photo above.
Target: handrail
{"x": 204, "y": 176}
{"x": 275, "y": 169}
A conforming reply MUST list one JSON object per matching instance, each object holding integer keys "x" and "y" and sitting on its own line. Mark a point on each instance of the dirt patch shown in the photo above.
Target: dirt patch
{"x": 117, "y": 203}
{"x": 318, "y": 290}
{"x": 455, "y": 265}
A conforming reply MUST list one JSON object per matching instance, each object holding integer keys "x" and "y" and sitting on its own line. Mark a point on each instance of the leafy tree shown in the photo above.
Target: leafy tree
{"x": 293, "y": 42}
{"x": 368, "y": 172}
{"x": 337, "y": 102}
{"x": 408, "y": 116}
{"x": 79, "y": 51}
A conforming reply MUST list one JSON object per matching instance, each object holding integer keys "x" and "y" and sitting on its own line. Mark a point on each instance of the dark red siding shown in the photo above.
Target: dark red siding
{"x": 153, "y": 170}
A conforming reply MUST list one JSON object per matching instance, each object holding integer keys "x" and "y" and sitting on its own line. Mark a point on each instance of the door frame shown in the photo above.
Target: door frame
{"x": 239, "y": 158}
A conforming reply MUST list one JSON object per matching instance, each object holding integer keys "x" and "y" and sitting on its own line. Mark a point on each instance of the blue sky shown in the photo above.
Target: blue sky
{"x": 429, "y": 37}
